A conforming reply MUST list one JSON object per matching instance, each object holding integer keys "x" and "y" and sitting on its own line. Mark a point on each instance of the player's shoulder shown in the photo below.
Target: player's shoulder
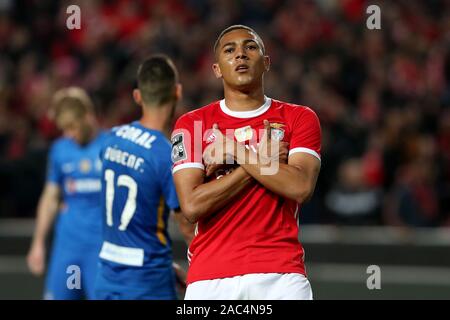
{"x": 200, "y": 114}
{"x": 138, "y": 137}
{"x": 62, "y": 144}
{"x": 295, "y": 111}
{"x": 292, "y": 107}
{"x": 102, "y": 135}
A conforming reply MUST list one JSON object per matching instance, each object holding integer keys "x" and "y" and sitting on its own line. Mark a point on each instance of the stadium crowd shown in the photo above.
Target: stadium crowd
{"x": 383, "y": 96}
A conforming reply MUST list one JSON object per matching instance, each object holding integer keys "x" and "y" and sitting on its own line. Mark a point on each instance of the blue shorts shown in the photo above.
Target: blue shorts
{"x": 105, "y": 289}
{"x": 72, "y": 270}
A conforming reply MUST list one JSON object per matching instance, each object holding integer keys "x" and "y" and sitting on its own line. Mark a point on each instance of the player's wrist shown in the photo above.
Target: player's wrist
{"x": 38, "y": 242}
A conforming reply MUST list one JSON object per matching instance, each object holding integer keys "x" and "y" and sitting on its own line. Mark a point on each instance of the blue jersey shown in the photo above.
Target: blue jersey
{"x": 138, "y": 193}
{"x": 76, "y": 170}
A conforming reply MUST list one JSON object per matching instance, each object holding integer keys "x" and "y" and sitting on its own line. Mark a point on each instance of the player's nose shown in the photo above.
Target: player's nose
{"x": 240, "y": 53}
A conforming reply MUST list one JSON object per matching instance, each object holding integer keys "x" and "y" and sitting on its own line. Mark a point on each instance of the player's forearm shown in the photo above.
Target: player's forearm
{"x": 283, "y": 179}
{"x": 46, "y": 213}
{"x": 209, "y": 197}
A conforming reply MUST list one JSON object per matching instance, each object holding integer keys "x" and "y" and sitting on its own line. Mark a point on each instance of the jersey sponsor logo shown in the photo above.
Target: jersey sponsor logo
{"x": 126, "y": 159}
{"x": 136, "y": 135}
{"x": 123, "y": 255}
{"x": 178, "y": 148}
{"x": 82, "y": 185}
{"x": 243, "y": 134}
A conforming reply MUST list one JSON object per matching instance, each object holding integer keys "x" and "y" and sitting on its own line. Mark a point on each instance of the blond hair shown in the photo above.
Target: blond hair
{"x": 73, "y": 99}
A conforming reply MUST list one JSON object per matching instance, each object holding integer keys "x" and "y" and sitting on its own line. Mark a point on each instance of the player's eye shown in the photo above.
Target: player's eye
{"x": 252, "y": 47}
{"x": 229, "y": 50}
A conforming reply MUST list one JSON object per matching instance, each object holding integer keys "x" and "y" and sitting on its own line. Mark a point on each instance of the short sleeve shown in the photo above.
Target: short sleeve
{"x": 306, "y": 133}
{"x": 54, "y": 171}
{"x": 187, "y": 144}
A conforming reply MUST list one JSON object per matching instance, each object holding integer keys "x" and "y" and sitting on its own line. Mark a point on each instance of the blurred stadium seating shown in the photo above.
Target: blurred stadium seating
{"x": 383, "y": 98}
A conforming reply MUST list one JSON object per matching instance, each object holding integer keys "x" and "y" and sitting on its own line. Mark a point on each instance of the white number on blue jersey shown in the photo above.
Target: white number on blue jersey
{"x": 130, "y": 205}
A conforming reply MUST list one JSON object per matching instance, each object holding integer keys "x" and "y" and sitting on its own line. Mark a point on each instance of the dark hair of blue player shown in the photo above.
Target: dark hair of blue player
{"x": 156, "y": 79}
{"x": 238, "y": 27}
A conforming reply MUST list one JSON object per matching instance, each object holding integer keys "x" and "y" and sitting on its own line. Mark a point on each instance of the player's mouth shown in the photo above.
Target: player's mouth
{"x": 242, "y": 68}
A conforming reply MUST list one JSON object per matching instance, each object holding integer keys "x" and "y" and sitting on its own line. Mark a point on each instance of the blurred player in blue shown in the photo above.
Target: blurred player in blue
{"x": 139, "y": 194}
{"x": 73, "y": 189}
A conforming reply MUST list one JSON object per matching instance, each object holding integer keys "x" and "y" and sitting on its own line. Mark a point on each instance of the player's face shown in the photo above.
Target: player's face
{"x": 74, "y": 127}
{"x": 240, "y": 59}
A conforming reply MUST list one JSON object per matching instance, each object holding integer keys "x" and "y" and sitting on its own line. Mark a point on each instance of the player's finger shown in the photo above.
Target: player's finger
{"x": 267, "y": 127}
{"x": 208, "y": 170}
{"x": 284, "y": 146}
{"x": 207, "y": 154}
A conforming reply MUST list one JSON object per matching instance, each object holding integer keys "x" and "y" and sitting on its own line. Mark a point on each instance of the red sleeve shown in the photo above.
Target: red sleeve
{"x": 306, "y": 133}
{"x": 187, "y": 144}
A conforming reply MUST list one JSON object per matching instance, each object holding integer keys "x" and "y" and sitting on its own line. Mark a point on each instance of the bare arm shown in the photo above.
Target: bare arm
{"x": 46, "y": 212}
{"x": 199, "y": 199}
{"x": 295, "y": 180}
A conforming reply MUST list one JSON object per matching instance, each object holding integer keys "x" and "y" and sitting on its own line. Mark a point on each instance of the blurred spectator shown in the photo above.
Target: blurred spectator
{"x": 352, "y": 201}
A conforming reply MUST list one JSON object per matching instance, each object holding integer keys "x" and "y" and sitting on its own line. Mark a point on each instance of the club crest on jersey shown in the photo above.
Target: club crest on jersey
{"x": 178, "y": 148}
{"x": 243, "y": 134}
{"x": 276, "y": 131}
{"x": 85, "y": 165}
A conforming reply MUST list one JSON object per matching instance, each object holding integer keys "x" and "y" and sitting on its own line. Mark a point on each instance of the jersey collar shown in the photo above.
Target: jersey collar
{"x": 246, "y": 114}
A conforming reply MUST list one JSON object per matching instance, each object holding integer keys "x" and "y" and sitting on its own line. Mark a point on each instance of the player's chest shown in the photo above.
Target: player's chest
{"x": 250, "y": 131}
{"x": 78, "y": 164}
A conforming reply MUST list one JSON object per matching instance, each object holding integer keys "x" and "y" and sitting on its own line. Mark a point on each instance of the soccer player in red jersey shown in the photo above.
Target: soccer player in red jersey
{"x": 246, "y": 244}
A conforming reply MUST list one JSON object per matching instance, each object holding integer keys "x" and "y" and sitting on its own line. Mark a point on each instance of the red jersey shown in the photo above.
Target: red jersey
{"x": 257, "y": 232}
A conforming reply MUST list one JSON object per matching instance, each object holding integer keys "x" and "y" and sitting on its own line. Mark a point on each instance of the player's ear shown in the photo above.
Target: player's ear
{"x": 217, "y": 71}
{"x": 178, "y": 91}
{"x": 267, "y": 63}
{"x": 137, "y": 96}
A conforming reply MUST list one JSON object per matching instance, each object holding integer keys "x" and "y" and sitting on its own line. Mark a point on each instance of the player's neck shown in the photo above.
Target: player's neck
{"x": 155, "y": 118}
{"x": 237, "y": 100}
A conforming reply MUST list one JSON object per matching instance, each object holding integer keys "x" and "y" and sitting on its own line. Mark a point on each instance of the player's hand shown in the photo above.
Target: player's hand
{"x": 284, "y": 152}
{"x": 211, "y": 168}
{"x": 270, "y": 150}
{"x": 221, "y": 151}
{"x": 36, "y": 258}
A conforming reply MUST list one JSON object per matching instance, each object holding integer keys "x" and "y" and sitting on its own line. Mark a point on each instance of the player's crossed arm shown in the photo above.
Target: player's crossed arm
{"x": 294, "y": 180}
{"x": 199, "y": 199}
